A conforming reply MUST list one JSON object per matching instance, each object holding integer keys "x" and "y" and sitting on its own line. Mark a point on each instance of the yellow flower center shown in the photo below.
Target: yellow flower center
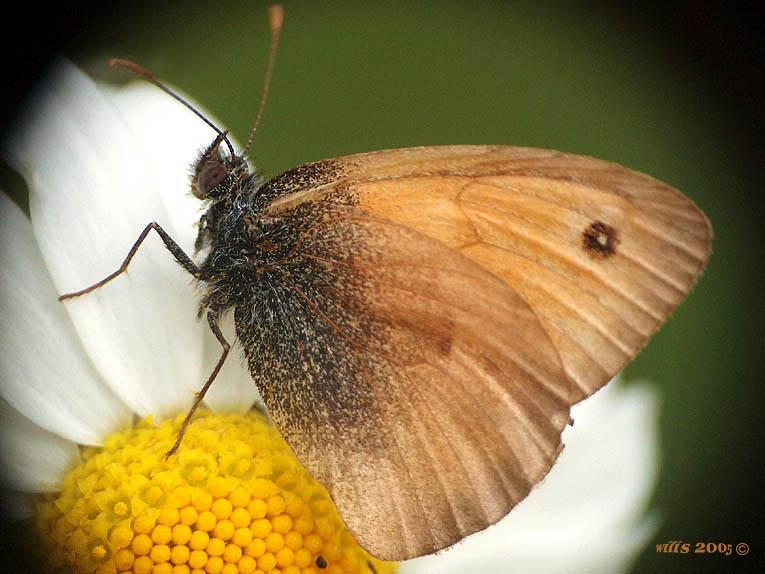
{"x": 233, "y": 500}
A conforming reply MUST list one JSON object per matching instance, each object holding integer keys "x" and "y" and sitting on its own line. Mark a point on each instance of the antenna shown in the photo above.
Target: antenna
{"x": 149, "y": 77}
{"x": 276, "y": 18}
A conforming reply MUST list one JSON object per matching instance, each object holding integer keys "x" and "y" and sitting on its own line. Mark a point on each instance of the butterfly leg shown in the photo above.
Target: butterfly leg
{"x": 212, "y": 319}
{"x": 180, "y": 256}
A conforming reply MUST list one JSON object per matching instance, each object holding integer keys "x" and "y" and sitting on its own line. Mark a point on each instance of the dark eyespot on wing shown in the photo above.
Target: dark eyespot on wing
{"x": 600, "y": 239}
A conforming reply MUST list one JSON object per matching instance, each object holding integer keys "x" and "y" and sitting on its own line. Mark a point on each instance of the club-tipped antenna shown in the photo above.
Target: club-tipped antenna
{"x": 276, "y": 18}
{"x": 149, "y": 77}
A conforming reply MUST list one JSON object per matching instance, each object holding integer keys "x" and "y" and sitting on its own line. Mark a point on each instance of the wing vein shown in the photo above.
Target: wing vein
{"x": 573, "y": 258}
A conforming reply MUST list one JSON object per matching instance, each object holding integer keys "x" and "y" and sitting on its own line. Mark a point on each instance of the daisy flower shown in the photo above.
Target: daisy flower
{"x": 93, "y": 390}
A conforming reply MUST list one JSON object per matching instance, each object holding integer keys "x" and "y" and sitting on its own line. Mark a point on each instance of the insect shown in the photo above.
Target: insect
{"x": 420, "y": 321}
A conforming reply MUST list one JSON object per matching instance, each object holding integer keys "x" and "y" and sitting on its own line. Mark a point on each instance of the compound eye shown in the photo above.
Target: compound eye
{"x": 210, "y": 178}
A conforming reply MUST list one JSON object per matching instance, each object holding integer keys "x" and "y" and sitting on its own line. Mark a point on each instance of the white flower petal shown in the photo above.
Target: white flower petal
{"x": 171, "y": 138}
{"x": 233, "y": 389}
{"x": 586, "y": 515}
{"x": 52, "y": 455}
{"x": 44, "y": 371}
{"x": 90, "y": 197}
{"x": 150, "y": 114}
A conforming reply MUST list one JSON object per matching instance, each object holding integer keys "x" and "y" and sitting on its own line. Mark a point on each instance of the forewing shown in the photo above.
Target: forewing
{"x": 418, "y": 387}
{"x": 601, "y": 253}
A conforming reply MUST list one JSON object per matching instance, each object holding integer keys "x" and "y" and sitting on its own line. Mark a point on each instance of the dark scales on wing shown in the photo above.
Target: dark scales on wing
{"x": 299, "y": 316}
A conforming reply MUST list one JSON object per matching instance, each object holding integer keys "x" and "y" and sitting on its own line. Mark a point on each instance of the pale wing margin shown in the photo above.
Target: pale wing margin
{"x": 525, "y": 214}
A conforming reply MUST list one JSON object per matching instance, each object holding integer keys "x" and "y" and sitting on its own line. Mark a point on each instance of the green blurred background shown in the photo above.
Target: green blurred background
{"x": 609, "y": 83}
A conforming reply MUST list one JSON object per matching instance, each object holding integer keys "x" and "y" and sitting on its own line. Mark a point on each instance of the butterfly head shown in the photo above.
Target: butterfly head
{"x": 216, "y": 171}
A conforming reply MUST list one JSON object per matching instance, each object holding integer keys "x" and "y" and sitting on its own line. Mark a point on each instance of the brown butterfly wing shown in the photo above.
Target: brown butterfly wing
{"x": 602, "y": 254}
{"x": 397, "y": 356}
{"x": 418, "y": 387}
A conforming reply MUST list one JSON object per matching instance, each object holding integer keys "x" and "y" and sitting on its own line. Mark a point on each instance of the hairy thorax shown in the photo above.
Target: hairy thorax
{"x": 240, "y": 243}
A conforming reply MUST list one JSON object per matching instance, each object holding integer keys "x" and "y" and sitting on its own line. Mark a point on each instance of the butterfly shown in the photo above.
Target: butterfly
{"x": 419, "y": 322}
